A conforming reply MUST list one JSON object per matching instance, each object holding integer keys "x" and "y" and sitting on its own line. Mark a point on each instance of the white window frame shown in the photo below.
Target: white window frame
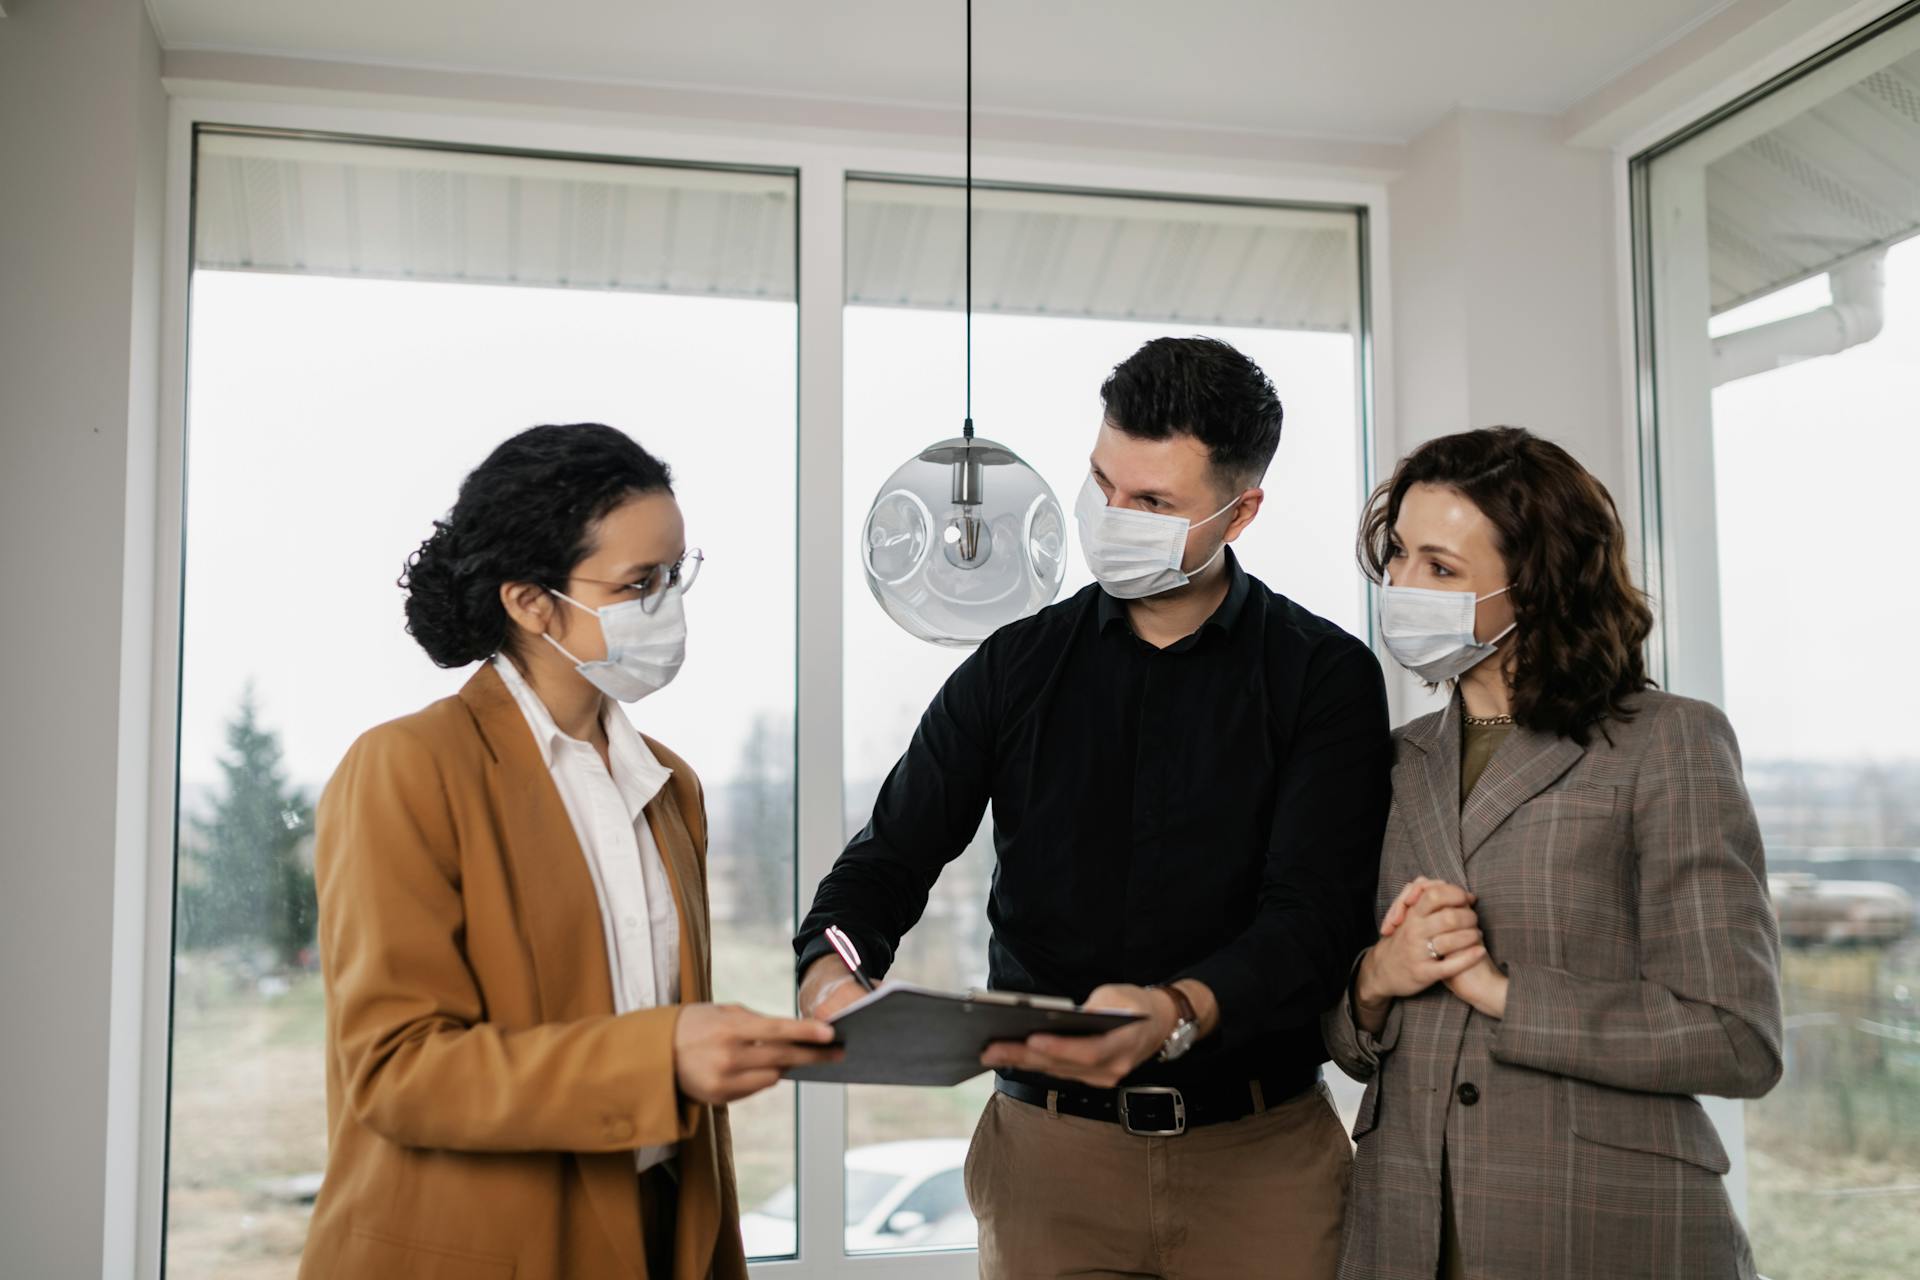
{"x": 823, "y": 166}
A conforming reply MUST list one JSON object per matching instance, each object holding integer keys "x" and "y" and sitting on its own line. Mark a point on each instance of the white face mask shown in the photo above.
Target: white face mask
{"x": 1430, "y": 633}
{"x": 644, "y": 650}
{"x": 1135, "y": 554}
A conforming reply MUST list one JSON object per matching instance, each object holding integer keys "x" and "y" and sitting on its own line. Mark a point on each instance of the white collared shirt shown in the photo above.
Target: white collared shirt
{"x": 606, "y": 804}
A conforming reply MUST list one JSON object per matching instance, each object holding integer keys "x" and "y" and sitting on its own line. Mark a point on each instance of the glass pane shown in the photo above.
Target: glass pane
{"x": 1786, "y": 293}
{"x": 1036, "y": 389}
{"x": 331, "y": 420}
{"x": 1825, "y": 724}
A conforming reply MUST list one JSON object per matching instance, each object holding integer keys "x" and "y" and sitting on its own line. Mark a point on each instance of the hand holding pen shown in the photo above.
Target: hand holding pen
{"x": 836, "y": 981}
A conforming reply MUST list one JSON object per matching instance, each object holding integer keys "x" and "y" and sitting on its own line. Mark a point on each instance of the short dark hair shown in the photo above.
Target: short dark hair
{"x": 1203, "y": 388}
{"x": 1581, "y": 623}
{"x": 526, "y": 514}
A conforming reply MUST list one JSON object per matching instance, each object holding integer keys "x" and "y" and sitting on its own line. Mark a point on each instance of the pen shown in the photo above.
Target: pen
{"x": 848, "y": 952}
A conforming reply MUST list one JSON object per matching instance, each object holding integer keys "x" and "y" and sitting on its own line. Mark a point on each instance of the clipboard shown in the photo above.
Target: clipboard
{"x": 907, "y": 1034}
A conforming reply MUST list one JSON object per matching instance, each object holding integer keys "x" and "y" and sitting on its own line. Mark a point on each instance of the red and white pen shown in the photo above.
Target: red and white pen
{"x": 848, "y": 952}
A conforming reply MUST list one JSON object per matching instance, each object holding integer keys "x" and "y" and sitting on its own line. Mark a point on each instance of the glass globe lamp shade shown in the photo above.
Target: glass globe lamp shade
{"x": 963, "y": 539}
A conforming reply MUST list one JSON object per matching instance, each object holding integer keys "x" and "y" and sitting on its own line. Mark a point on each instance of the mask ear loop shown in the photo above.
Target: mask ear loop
{"x": 555, "y": 643}
{"x": 1511, "y": 626}
{"x": 562, "y": 648}
{"x": 1242, "y": 497}
{"x": 1218, "y": 552}
{"x": 1222, "y": 548}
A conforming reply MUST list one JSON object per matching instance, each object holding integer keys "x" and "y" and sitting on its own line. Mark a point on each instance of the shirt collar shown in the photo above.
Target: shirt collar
{"x": 545, "y": 732}
{"x": 636, "y": 770}
{"x": 1239, "y": 587}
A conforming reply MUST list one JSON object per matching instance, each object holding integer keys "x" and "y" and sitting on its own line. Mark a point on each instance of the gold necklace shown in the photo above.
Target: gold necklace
{"x": 1484, "y": 722}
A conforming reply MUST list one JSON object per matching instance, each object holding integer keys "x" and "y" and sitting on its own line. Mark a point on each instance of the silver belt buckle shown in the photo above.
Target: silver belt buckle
{"x": 1179, "y": 1111}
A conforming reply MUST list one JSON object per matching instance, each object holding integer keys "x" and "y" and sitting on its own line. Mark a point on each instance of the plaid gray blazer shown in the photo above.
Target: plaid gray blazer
{"x": 1623, "y": 889}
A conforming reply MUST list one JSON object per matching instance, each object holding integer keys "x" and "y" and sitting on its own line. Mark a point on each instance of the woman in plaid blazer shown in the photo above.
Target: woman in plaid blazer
{"x": 1576, "y": 937}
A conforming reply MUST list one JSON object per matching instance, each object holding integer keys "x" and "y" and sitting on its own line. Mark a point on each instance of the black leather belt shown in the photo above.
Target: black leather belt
{"x": 1164, "y": 1111}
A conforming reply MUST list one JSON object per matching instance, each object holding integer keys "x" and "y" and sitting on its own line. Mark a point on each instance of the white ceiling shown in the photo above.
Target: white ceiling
{"x": 1374, "y": 69}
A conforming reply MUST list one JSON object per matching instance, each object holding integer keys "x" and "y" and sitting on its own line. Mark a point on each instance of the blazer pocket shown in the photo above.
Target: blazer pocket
{"x": 1662, "y": 1123}
{"x": 370, "y": 1255}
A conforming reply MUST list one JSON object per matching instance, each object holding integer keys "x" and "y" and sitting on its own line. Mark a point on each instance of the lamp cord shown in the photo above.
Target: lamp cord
{"x": 969, "y": 228}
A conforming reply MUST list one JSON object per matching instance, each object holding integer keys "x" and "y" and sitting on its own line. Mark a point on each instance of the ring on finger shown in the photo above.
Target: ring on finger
{"x": 1433, "y": 953}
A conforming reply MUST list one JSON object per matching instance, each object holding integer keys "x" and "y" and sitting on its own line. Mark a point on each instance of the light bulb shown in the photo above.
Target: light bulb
{"x": 967, "y": 540}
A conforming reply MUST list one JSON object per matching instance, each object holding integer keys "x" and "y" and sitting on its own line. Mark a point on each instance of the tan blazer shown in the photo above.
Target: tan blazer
{"x": 483, "y": 1100}
{"x": 1623, "y": 888}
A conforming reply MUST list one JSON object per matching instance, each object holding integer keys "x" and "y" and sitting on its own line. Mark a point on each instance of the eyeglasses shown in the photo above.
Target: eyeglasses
{"x": 653, "y": 588}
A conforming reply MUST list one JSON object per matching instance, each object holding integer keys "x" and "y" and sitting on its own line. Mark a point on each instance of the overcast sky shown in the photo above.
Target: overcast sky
{"x": 1817, "y": 464}
{"x": 332, "y": 420}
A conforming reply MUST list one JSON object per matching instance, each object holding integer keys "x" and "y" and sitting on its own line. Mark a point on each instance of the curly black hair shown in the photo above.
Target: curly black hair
{"x": 1204, "y": 388}
{"x": 526, "y": 514}
{"x": 1581, "y": 623}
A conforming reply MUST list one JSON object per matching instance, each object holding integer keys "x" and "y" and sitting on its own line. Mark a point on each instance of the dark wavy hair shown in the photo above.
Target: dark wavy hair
{"x": 526, "y": 514}
{"x": 1582, "y": 624}
{"x": 1204, "y": 388}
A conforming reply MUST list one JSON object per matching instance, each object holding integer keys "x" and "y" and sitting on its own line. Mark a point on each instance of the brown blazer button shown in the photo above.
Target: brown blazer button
{"x": 1467, "y": 1094}
{"x": 619, "y": 1129}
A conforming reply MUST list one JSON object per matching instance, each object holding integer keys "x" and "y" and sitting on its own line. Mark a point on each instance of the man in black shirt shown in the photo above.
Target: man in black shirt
{"x": 1189, "y": 781}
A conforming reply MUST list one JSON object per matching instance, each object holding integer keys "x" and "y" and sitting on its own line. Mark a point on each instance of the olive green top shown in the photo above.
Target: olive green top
{"x": 1477, "y": 745}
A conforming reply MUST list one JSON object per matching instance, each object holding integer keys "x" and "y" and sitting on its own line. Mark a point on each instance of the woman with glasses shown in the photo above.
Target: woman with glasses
{"x": 524, "y": 1074}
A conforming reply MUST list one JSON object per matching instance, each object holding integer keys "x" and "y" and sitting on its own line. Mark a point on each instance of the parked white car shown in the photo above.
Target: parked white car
{"x": 900, "y": 1195}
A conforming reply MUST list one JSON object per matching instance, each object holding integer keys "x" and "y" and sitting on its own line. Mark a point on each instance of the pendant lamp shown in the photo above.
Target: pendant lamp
{"x": 964, "y": 537}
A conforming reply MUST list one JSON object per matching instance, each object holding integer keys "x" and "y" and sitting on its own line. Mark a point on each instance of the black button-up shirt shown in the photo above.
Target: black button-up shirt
{"x": 1212, "y": 810}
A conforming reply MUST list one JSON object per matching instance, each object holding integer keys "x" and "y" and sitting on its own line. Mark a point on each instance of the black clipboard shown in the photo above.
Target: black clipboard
{"x": 905, "y": 1034}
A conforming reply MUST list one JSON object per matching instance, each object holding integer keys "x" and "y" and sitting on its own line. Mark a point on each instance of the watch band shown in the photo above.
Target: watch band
{"x": 1186, "y": 1026}
{"x": 1183, "y": 1007}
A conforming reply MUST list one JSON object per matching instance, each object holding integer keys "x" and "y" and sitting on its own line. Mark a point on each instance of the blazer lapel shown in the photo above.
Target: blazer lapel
{"x": 1436, "y": 809}
{"x": 559, "y": 912}
{"x": 675, "y": 843}
{"x": 551, "y": 884}
{"x": 1526, "y": 764}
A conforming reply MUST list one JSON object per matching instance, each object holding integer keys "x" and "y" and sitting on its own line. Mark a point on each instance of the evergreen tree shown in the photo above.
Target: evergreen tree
{"x": 762, "y": 823}
{"x": 250, "y": 881}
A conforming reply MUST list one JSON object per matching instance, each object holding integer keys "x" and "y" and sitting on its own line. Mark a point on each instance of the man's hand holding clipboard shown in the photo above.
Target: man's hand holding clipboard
{"x": 903, "y": 1034}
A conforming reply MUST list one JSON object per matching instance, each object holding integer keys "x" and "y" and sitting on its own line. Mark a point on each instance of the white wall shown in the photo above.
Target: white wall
{"x": 81, "y": 168}
{"x": 1504, "y": 282}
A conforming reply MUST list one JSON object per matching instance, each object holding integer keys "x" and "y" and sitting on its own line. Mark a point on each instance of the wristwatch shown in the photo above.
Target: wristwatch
{"x": 1186, "y": 1028}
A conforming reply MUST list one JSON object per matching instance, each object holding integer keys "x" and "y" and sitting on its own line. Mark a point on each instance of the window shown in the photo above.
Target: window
{"x": 1065, "y": 287}
{"x": 368, "y": 318}
{"x": 1780, "y": 299}
{"x": 368, "y": 321}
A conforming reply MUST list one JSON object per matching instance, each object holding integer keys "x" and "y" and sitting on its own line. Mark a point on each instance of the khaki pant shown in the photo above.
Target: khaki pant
{"x": 1060, "y": 1196}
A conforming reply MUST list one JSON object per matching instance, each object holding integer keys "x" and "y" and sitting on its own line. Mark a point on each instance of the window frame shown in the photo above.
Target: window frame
{"x": 1677, "y": 526}
{"x": 823, "y": 168}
